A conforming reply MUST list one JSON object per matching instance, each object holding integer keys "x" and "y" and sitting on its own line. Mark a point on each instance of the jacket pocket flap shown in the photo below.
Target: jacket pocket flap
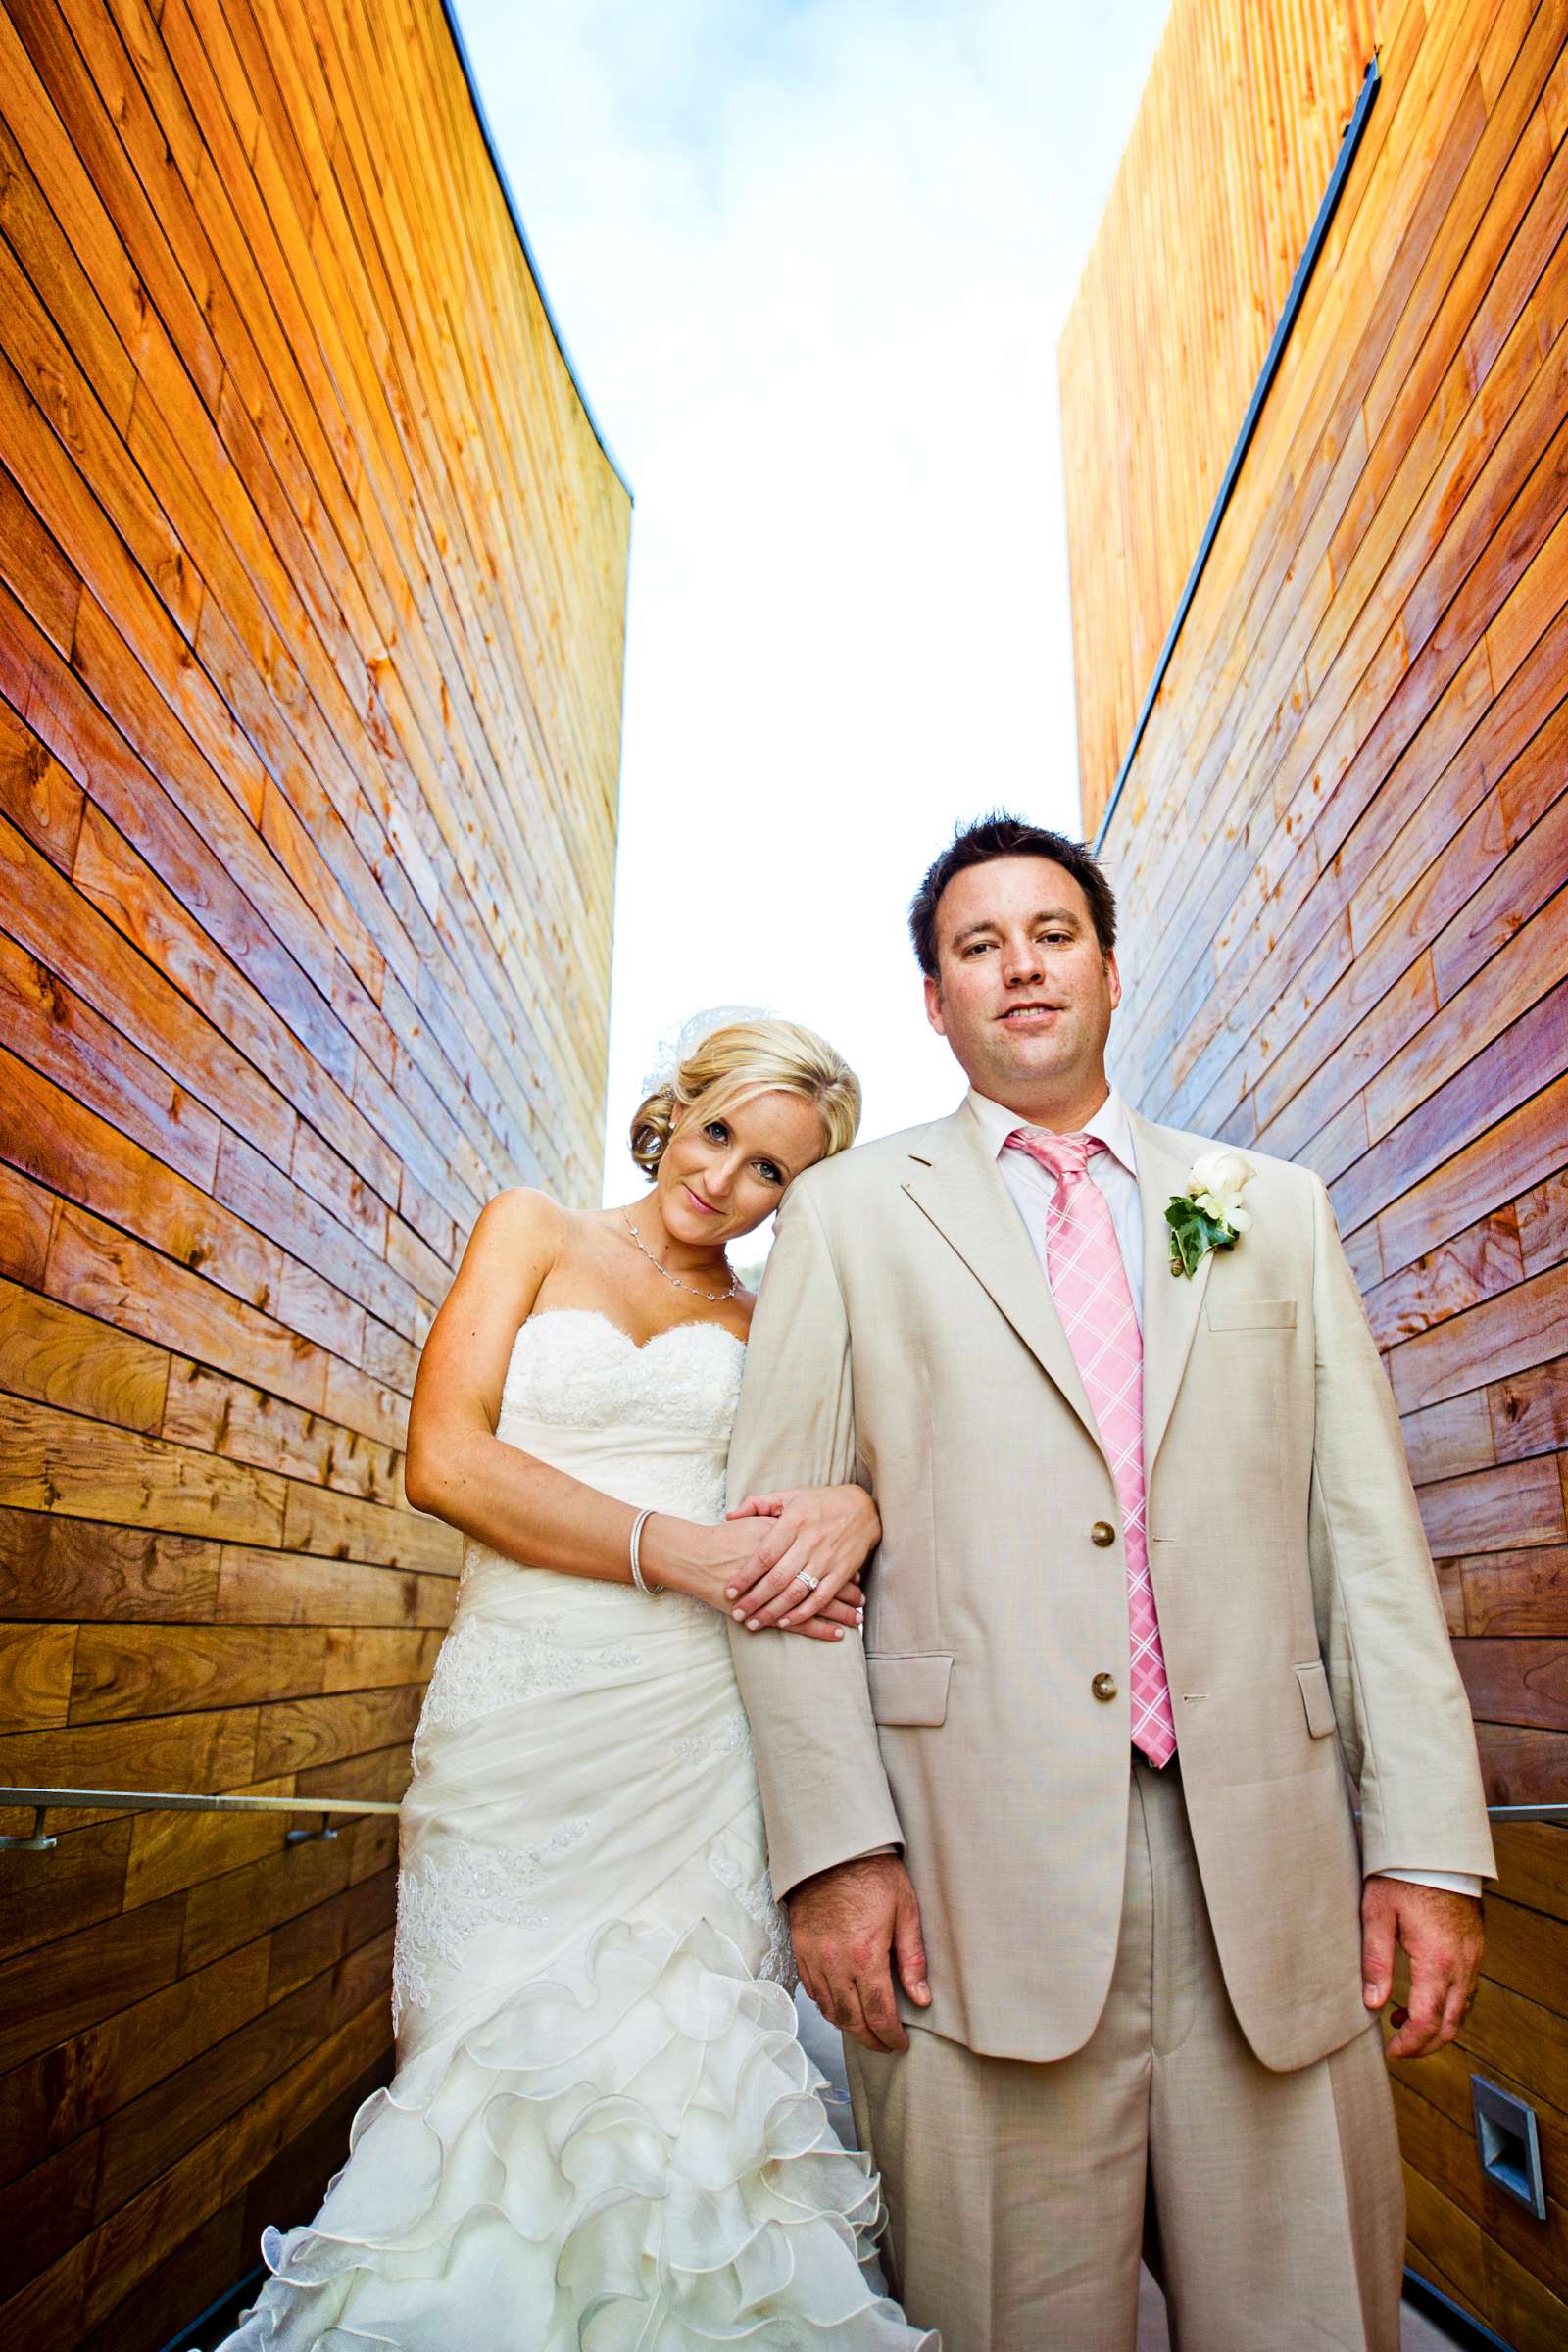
{"x": 909, "y": 1688}
{"x": 1251, "y": 1314}
{"x": 1316, "y": 1698}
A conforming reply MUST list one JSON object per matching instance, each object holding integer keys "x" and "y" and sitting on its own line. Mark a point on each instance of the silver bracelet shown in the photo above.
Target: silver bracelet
{"x": 638, "y": 1578}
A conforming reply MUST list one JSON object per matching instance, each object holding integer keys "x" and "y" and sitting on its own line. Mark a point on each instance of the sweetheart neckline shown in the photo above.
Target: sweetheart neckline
{"x": 638, "y": 1346}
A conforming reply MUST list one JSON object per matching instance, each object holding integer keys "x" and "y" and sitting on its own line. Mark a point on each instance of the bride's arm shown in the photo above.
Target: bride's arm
{"x": 458, "y": 1470}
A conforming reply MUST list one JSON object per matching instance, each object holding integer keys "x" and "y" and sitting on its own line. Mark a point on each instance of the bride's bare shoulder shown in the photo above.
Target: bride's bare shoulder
{"x": 522, "y": 1208}
{"x": 520, "y": 1227}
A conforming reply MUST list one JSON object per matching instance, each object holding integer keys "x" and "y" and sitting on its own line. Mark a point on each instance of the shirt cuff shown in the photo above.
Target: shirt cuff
{"x": 1453, "y": 1882}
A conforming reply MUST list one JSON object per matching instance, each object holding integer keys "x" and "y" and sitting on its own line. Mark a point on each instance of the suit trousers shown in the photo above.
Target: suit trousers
{"x": 1021, "y": 2196}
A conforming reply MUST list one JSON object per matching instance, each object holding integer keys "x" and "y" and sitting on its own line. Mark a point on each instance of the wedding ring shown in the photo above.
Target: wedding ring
{"x": 809, "y": 1581}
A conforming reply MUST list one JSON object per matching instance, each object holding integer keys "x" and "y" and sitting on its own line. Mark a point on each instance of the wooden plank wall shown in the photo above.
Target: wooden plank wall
{"x": 312, "y": 577}
{"x": 1149, "y": 364}
{"x": 1341, "y": 855}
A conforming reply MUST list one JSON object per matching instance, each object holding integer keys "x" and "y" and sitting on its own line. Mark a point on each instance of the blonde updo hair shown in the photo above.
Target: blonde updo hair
{"x": 744, "y": 1058}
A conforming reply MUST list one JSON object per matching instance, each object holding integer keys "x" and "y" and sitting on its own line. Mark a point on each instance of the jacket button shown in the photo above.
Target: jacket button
{"x": 1103, "y": 1533}
{"x": 1104, "y": 1686}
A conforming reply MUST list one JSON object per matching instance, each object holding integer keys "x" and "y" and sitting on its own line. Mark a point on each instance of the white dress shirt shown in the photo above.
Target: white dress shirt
{"x": 1115, "y": 1171}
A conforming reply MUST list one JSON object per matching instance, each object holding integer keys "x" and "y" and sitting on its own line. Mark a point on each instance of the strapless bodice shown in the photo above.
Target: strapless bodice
{"x": 650, "y": 1425}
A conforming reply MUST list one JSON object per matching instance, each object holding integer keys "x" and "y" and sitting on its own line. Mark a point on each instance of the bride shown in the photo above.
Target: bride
{"x": 602, "y": 2132}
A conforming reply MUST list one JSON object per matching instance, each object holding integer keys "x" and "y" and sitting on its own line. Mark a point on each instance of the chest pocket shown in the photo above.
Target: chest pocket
{"x": 1251, "y": 1314}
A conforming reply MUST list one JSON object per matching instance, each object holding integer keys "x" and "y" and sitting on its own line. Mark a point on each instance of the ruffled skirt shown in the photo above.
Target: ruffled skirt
{"x": 634, "y": 2164}
{"x": 603, "y": 2134}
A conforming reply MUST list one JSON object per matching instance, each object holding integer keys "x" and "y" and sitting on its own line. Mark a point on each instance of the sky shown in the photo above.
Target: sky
{"x": 812, "y": 259}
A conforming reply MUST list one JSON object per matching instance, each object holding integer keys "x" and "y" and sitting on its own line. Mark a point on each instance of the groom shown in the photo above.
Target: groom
{"x": 1067, "y": 1849}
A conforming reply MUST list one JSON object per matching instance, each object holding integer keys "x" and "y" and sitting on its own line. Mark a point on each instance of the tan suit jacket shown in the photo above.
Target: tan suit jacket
{"x": 907, "y": 1337}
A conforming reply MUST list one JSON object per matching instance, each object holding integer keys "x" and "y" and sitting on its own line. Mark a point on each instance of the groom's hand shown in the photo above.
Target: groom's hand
{"x": 850, "y": 1927}
{"x": 1441, "y": 1934}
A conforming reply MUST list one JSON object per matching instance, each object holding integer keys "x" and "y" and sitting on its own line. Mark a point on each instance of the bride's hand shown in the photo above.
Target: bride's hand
{"x": 824, "y": 1533}
{"x": 718, "y": 1565}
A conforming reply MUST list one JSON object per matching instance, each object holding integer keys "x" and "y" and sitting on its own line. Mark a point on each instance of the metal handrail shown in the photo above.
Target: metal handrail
{"x": 164, "y": 1800}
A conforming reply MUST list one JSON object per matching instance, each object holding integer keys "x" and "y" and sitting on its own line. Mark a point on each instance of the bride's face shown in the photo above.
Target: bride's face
{"x": 721, "y": 1174}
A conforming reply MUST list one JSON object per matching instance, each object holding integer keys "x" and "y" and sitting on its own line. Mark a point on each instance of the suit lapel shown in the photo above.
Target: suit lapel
{"x": 1172, "y": 1305}
{"x": 960, "y": 1191}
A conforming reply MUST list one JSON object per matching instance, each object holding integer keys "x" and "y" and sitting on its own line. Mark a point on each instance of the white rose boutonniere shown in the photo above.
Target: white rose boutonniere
{"x": 1209, "y": 1214}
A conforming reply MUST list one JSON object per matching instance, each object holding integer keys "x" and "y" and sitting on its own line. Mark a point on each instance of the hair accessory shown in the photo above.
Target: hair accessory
{"x": 676, "y": 1044}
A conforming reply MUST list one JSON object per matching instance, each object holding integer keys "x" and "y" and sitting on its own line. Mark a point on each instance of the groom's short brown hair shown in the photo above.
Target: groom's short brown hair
{"x": 1000, "y": 835}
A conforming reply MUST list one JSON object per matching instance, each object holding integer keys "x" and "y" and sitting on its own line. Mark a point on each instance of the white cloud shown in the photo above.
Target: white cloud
{"x": 812, "y": 262}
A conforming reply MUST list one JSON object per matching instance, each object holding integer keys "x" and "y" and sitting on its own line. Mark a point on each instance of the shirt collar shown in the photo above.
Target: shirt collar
{"x": 1109, "y": 1124}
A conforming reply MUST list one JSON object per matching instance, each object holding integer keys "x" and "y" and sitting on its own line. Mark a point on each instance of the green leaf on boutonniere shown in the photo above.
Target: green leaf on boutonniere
{"x": 1193, "y": 1233}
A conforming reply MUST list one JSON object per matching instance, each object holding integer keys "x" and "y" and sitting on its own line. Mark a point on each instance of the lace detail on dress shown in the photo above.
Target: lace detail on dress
{"x": 731, "y": 1737}
{"x": 485, "y": 1664}
{"x": 574, "y": 1368}
{"x": 444, "y": 1903}
{"x": 756, "y": 1898}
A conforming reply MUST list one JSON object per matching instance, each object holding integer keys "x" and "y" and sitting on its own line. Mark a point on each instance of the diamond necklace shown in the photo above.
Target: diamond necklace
{"x": 689, "y": 1288}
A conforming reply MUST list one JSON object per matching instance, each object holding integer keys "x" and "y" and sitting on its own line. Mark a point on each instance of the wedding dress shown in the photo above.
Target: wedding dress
{"x": 602, "y": 2132}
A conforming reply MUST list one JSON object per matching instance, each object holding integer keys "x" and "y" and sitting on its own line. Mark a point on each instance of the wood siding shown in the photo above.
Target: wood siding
{"x": 1163, "y": 358}
{"x": 311, "y": 582}
{"x": 1341, "y": 855}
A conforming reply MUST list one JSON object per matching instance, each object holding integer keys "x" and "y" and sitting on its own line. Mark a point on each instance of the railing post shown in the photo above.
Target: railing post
{"x": 37, "y": 1842}
{"x": 307, "y": 1837}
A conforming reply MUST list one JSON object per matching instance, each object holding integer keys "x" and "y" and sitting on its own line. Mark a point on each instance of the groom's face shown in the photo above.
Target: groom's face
{"x": 1023, "y": 994}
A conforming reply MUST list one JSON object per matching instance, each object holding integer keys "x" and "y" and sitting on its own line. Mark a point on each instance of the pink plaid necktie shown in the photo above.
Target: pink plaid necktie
{"x": 1089, "y": 1284}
